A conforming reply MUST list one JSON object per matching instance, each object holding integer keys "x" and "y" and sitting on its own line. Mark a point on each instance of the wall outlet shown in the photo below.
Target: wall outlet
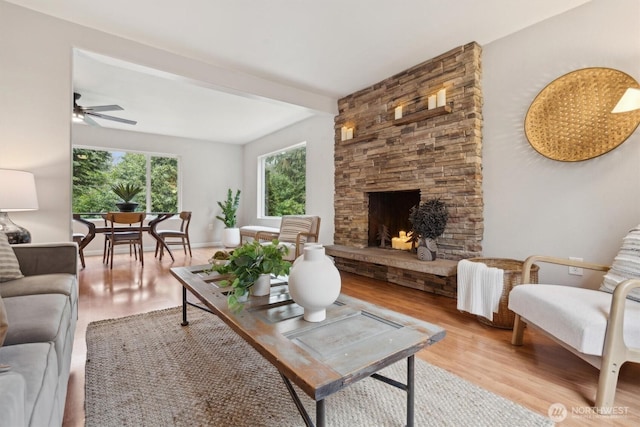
{"x": 576, "y": 271}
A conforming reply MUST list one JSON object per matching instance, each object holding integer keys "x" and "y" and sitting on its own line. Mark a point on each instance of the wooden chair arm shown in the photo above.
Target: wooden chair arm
{"x": 615, "y": 327}
{"x": 299, "y": 245}
{"x": 526, "y": 267}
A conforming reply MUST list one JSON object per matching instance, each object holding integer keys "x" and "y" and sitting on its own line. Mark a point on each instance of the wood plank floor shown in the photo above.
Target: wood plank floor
{"x": 535, "y": 375}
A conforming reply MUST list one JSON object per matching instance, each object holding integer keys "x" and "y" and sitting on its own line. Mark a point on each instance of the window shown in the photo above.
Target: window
{"x": 282, "y": 182}
{"x": 94, "y": 171}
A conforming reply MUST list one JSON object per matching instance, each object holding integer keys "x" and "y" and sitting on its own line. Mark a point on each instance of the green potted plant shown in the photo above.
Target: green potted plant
{"x": 428, "y": 220}
{"x": 126, "y": 192}
{"x": 231, "y": 233}
{"x": 246, "y": 264}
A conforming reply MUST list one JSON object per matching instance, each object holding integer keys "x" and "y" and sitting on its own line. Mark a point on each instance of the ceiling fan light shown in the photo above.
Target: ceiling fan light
{"x": 77, "y": 117}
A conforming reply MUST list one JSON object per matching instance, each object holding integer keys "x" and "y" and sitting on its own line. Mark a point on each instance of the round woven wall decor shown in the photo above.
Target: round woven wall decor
{"x": 570, "y": 120}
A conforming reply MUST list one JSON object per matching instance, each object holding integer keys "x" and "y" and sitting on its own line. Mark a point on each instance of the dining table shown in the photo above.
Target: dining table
{"x": 150, "y": 227}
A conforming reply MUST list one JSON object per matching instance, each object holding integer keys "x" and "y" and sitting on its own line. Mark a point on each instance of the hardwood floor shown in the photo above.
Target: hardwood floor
{"x": 535, "y": 375}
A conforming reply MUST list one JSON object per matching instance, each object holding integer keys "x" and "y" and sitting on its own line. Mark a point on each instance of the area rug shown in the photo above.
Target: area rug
{"x": 147, "y": 370}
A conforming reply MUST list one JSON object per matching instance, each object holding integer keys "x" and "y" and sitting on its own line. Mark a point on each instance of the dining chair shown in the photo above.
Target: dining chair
{"x": 79, "y": 238}
{"x": 132, "y": 237}
{"x": 176, "y": 237}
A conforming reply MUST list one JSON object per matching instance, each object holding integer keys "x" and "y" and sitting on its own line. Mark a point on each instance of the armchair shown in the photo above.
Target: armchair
{"x": 295, "y": 231}
{"x": 600, "y": 327}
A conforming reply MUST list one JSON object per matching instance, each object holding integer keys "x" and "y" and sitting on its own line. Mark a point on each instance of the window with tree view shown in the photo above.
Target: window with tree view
{"x": 284, "y": 181}
{"x": 95, "y": 171}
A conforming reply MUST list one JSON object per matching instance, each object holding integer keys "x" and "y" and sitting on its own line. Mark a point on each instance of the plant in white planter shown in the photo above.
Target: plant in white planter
{"x": 247, "y": 264}
{"x": 230, "y": 234}
{"x": 428, "y": 220}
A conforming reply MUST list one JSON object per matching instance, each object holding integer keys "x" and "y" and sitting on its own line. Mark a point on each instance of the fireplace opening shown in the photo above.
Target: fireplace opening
{"x": 390, "y": 209}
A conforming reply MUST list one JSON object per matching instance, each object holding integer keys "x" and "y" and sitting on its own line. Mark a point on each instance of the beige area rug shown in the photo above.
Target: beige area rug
{"x": 147, "y": 370}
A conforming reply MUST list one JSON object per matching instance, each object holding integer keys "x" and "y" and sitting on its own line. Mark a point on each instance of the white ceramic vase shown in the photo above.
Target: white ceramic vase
{"x": 314, "y": 283}
{"x": 231, "y": 237}
{"x": 262, "y": 286}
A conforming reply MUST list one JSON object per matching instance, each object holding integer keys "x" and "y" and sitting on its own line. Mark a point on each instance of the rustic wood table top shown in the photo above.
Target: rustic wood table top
{"x": 356, "y": 339}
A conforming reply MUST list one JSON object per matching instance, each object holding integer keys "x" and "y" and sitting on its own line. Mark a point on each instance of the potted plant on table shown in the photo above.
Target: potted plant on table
{"x": 249, "y": 264}
{"x": 230, "y": 234}
{"x": 126, "y": 192}
{"x": 428, "y": 220}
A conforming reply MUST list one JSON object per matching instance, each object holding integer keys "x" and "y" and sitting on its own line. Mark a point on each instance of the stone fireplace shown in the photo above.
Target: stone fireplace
{"x": 390, "y": 209}
{"x": 428, "y": 154}
{"x": 394, "y": 162}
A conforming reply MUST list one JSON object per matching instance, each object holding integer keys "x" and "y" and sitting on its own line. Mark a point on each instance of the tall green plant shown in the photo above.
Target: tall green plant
{"x": 229, "y": 209}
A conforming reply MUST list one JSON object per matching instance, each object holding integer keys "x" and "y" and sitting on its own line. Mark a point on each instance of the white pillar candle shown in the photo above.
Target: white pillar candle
{"x": 442, "y": 98}
{"x": 343, "y": 133}
{"x": 431, "y": 102}
{"x": 398, "y": 112}
{"x": 349, "y": 133}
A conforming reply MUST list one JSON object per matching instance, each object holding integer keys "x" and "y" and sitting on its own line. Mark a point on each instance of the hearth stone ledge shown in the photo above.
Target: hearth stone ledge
{"x": 399, "y": 267}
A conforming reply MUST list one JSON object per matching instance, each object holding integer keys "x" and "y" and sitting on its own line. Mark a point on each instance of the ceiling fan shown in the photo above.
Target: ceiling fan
{"x": 81, "y": 113}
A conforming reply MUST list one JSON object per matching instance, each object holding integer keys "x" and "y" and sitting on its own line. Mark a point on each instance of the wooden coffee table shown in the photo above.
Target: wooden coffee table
{"x": 355, "y": 341}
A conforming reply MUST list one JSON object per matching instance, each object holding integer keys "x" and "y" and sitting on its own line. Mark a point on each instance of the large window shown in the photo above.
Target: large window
{"x": 94, "y": 171}
{"x": 282, "y": 182}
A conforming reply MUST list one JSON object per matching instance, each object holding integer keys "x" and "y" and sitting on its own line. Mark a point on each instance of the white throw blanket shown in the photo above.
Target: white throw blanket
{"x": 479, "y": 288}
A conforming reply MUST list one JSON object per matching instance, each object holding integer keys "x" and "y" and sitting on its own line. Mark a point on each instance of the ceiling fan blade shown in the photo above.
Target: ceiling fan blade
{"x": 103, "y": 108}
{"x": 88, "y": 120}
{"x": 115, "y": 119}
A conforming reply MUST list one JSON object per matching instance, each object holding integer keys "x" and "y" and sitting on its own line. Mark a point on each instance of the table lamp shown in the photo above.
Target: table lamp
{"x": 17, "y": 193}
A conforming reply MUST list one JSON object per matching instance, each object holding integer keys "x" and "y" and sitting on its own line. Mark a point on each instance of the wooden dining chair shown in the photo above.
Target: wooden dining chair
{"x": 176, "y": 237}
{"x": 132, "y": 237}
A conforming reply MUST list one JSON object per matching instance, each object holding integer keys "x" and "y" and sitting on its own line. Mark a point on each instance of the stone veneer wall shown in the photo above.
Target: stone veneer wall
{"x": 441, "y": 156}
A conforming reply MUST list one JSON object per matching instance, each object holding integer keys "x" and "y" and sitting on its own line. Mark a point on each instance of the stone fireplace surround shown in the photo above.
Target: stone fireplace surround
{"x": 441, "y": 156}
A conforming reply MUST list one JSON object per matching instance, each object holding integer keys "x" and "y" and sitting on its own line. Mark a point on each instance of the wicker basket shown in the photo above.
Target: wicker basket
{"x": 505, "y": 318}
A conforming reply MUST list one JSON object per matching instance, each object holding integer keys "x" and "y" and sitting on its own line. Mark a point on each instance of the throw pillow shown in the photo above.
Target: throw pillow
{"x": 9, "y": 266}
{"x": 626, "y": 265}
{"x": 292, "y": 225}
{"x": 4, "y": 325}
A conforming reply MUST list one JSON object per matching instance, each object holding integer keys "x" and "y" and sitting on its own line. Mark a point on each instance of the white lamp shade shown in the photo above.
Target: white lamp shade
{"x": 17, "y": 191}
{"x": 630, "y": 101}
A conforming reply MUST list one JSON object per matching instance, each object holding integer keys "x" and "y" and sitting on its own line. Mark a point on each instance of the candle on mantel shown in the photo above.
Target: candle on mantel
{"x": 343, "y": 133}
{"x": 398, "y": 112}
{"x": 431, "y": 103}
{"x": 349, "y": 133}
{"x": 441, "y": 98}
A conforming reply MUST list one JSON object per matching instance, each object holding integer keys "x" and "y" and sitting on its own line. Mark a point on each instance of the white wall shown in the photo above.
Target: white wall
{"x": 205, "y": 174}
{"x": 318, "y": 134}
{"x": 36, "y": 101}
{"x": 537, "y": 205}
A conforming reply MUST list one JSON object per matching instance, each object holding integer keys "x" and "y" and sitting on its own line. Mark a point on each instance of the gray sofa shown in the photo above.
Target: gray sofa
{"x": 42, "y": 312}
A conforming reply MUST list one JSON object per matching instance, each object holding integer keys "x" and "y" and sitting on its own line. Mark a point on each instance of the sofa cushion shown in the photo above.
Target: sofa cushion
{"x": 36, "y": 363}
{"x": 576, "y": 316}
{"x": 9, "y": 266}
{"x": 39, "y": 318}
{"x": 55, "y": 283}
{"x": 626, "y": 265}
{"x": 13, "y": 394}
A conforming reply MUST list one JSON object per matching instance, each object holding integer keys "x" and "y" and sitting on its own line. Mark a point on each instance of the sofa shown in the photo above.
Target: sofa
{"x": 40, "y": 316}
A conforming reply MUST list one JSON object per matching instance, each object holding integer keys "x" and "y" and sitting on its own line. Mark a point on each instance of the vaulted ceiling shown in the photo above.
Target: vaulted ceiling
{"x": 328, "y": 47}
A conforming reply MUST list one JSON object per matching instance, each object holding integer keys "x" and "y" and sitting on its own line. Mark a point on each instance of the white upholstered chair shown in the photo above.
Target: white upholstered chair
{"x": 600, "y": 326}
{"x": 295, "y": 231}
